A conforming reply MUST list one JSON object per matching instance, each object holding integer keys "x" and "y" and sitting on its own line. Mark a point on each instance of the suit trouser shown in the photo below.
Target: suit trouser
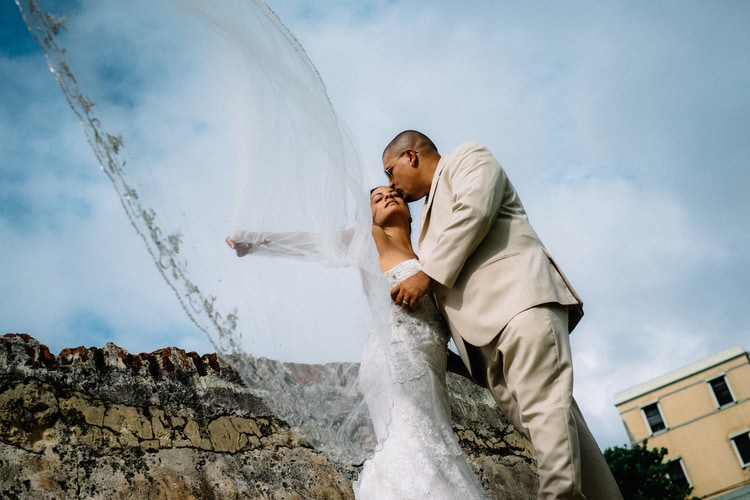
{"x": 529, "y": 371}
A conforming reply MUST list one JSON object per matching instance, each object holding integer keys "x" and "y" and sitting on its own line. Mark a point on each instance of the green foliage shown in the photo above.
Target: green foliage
{"x": 642, "y": 474}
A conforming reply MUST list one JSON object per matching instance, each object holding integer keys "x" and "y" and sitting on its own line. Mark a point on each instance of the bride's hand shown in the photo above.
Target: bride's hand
{"x": 242, "y": 249}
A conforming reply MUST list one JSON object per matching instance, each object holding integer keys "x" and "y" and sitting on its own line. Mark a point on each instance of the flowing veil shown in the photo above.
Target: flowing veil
{"x": 209, "y": 119}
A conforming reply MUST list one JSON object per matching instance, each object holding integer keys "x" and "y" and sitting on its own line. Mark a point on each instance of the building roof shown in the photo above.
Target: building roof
{"x": 679, "y": 374}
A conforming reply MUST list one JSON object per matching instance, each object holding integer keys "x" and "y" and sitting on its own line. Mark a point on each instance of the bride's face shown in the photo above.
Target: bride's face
{"x": 384, "y": 201}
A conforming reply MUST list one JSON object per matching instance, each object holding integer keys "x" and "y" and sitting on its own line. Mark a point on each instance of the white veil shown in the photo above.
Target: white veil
{"x": 209, "y": 119}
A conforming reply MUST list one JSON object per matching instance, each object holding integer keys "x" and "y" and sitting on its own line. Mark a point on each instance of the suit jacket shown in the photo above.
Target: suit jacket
{"x": 477, "y": 244}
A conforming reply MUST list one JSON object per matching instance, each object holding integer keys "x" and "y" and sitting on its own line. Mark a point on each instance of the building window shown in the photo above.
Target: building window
{"x": 654, "y": 418}
{"x": 676, "y": 471}
{"x": 721, "y": 390}
{"x": 741, "y": 444}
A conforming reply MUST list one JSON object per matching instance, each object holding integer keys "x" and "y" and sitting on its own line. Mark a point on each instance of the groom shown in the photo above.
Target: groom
{"x": 509, "y": 307}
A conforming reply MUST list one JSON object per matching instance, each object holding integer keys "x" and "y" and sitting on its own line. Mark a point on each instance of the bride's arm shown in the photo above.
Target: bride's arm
{"x": 289, "y": 244}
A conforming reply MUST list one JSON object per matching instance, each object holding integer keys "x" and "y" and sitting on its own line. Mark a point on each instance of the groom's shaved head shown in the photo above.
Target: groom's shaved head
{"x": 410, "y": 139}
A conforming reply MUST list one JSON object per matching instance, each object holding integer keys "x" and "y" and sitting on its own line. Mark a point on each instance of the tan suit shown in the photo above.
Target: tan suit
{"x": 510, "y": 309}
{"x": 489, "y": 268}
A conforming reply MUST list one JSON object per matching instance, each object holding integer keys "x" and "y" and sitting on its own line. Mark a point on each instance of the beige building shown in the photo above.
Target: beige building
{"x": 701, "y": 414}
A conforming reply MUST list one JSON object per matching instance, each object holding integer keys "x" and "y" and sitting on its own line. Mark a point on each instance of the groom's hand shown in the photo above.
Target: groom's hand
{"x": 411, "y": 290}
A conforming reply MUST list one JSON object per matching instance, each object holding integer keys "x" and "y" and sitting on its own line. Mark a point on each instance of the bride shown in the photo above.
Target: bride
{"x": 417, "y": 455}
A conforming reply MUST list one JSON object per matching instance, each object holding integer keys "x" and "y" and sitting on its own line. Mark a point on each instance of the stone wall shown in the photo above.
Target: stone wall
{"x": 102, "y": 423}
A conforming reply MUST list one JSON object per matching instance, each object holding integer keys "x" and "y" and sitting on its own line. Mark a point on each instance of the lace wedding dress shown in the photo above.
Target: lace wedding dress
{"x": 417, "y": 454}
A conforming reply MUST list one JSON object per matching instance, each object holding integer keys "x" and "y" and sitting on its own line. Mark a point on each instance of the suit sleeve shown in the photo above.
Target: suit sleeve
{"x": 476, "y": 183}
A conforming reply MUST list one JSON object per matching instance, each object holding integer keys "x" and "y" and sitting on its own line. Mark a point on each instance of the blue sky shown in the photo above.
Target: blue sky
{"x": 624, "y": 126}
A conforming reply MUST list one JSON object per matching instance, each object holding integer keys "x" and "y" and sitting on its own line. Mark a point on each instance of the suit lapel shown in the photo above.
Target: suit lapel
{"x": 430, "y": 198}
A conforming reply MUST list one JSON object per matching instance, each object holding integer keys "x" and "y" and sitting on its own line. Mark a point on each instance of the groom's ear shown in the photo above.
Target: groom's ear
{"x": 413, "y": 157}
